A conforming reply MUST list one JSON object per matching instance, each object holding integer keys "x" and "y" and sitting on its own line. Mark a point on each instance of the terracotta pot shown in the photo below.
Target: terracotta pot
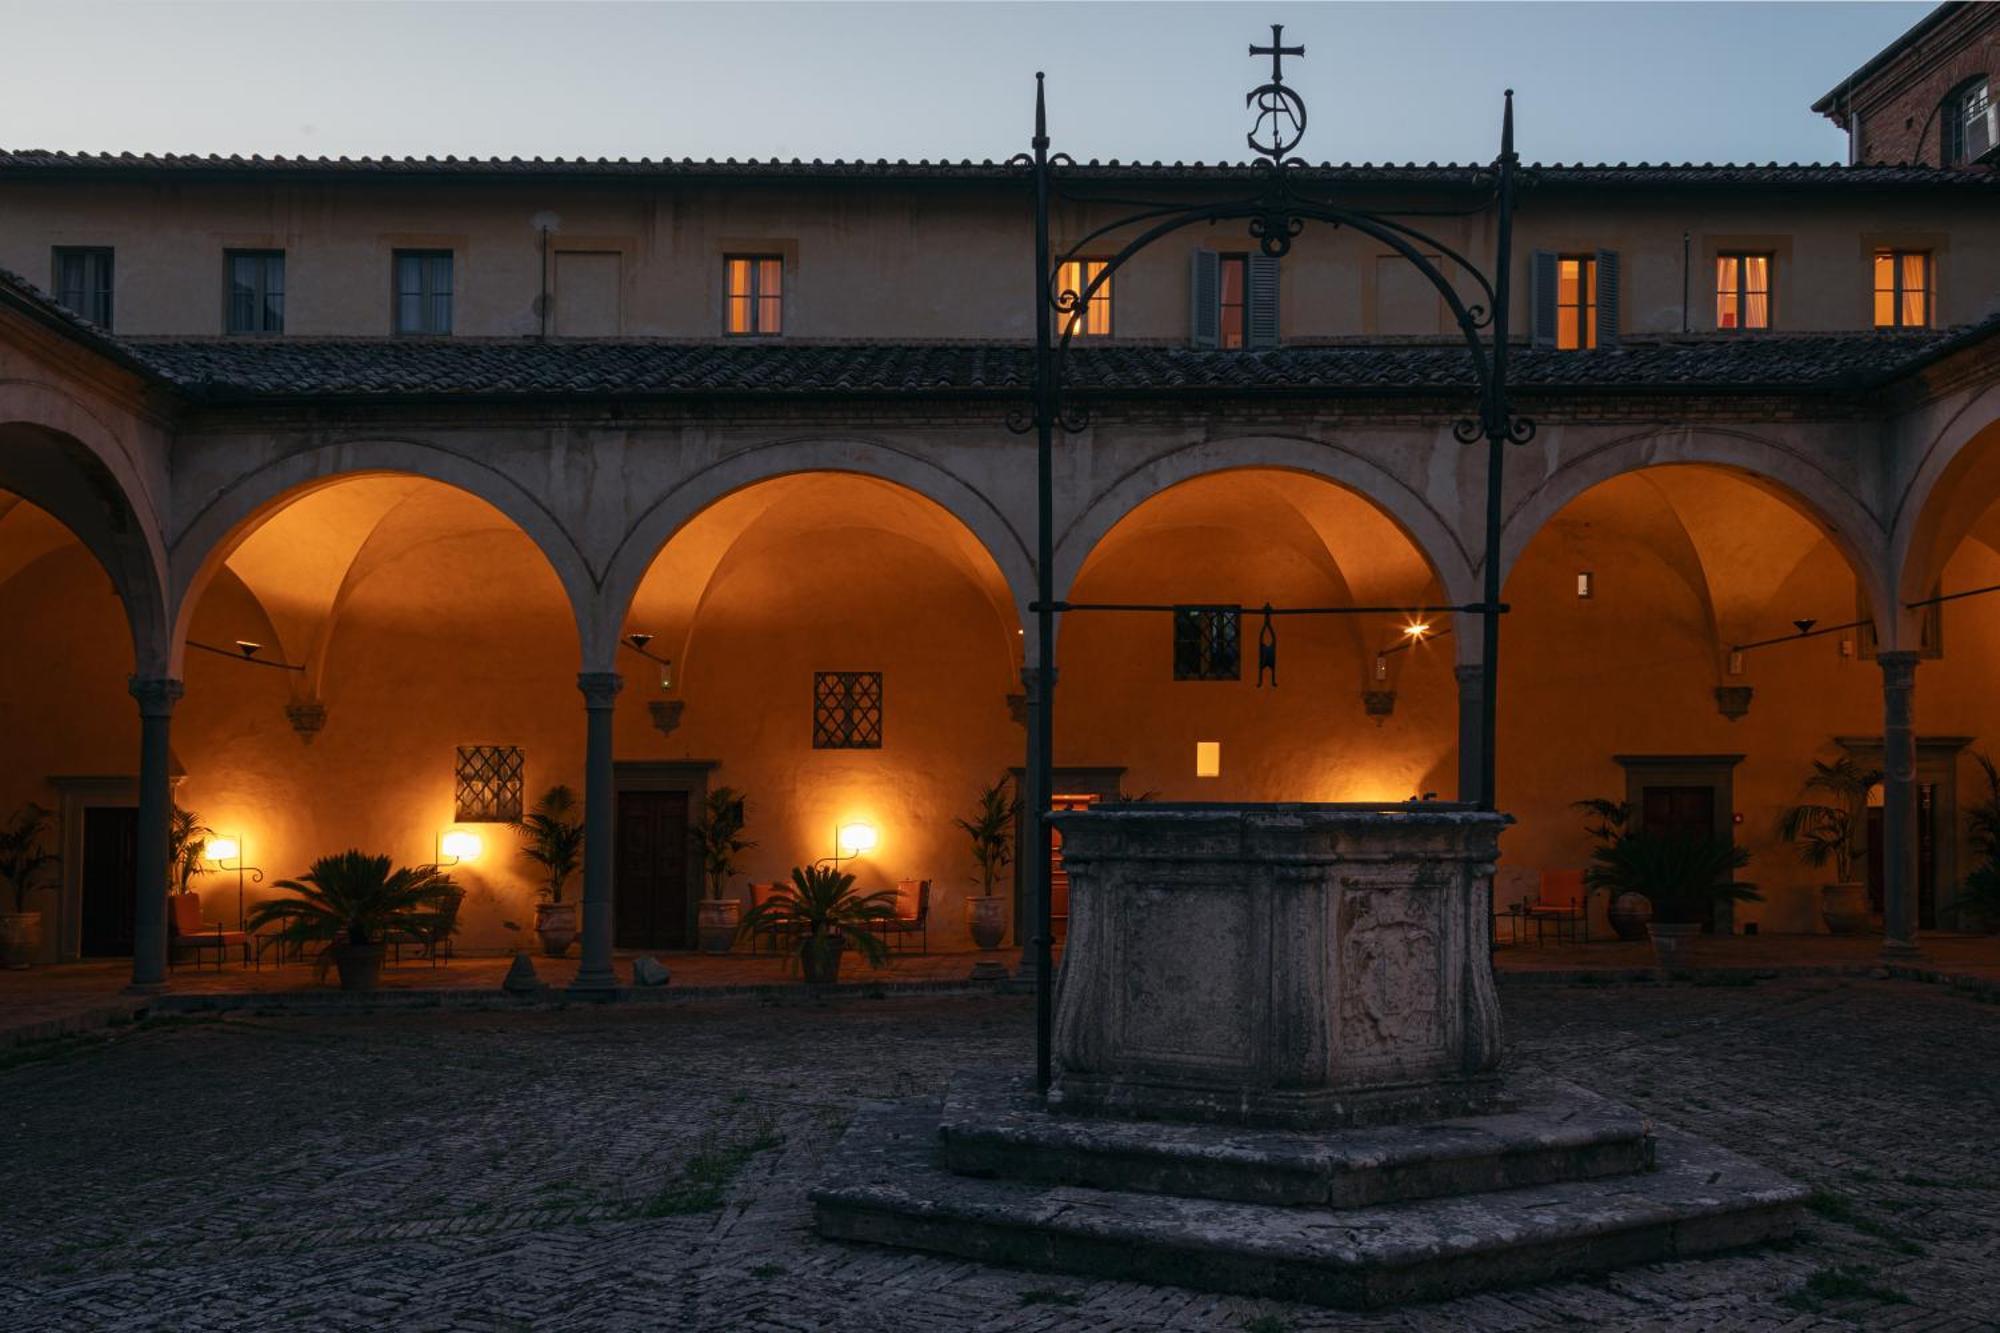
{"x": 1670, "y": 941}
{"x": 1844, "y": 908}
{"x": 360, "y": 965}
{"x": 20, "y": 939}
{"x": 1629, "y": 914}
{"x": 555, "y": 925}
{"x": 820, "y": 957}
{"x": 718, "y": 918}
{"x": 986, "y": 918}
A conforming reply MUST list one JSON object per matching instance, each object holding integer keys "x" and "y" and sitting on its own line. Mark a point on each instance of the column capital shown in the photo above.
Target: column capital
{"x": 600, "y": 688}
{"x": 1899, "y": 666}
{"x": 1032, "y": 678}
{"x": 157, "y": 695}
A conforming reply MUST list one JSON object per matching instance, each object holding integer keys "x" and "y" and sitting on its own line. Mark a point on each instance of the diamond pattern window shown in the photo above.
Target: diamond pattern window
{"x": 847, "y": 710}
{"x": 1207, "y": 643}
{"x": 489, "y": 784}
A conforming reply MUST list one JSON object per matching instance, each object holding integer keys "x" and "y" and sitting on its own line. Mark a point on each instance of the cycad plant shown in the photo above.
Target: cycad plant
{"x": 718, "y": 838}
{"x": 824, "y": 911}
{"x": 355, "y": 898}
{"x": 1826, "y": 832}
{"x": 187, "y": 848}
{"x": 991, "y": 829}
{"x": 1609, "y": 818}
{"x": 553, "y": 833}
{"x": 25, "y": 865}
{"x": 1683, "y": 874}
{"x": 1978, "y": 905}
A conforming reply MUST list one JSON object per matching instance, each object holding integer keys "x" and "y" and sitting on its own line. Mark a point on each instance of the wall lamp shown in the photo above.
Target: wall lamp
{"x": 850, "y": 841}
{"x": 456, "y": 845}
{"x": 246, "y": 650}
{"x": 221, "y": 851}
{"x": 638, "y": 644}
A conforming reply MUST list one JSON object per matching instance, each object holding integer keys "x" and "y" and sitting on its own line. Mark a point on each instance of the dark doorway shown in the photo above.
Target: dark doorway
{"x": 1679, "y": 810}
{"x": 1926, "y": 857}
{"x": 110, "y": 877}
{"x": 1075, "y": 789}
{"x": 653, "y": 906}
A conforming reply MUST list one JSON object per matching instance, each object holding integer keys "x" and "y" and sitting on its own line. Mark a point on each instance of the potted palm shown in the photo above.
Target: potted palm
{"x": 719, "y": 841}
{"x": 1628, "y": 912}
{"x": 552, "y": 834}
{"x": 1683, "y": 875}
{"x": 1978, "y": 902}
{"x": 991, "y": 830}
{"x": 1827, "y": 831}
{"x": 350, "y": 903}
{"x": 25, "y": 865}
{"x": 822, "y": 909}
{"x": 187, "y": 848}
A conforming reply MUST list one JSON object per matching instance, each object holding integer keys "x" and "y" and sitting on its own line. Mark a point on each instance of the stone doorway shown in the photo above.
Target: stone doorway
{"x": 109, "y": 878}
{"x": 656, "y": 877}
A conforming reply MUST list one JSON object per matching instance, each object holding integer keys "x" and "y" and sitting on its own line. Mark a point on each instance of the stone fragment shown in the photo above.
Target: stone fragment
{"x": 649, "y": 972}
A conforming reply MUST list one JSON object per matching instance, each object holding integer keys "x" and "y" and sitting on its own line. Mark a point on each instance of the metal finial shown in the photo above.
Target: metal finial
{"x": 1507, "y": 126}
{"x": 1041, "y": 112}
{"x": 1285, "y": 109}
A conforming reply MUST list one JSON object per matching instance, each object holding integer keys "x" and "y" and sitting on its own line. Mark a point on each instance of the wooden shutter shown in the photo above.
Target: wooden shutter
{"x": 1542, "y": 298}
{"x": 1205, "y": 299}
{"x": 1607, "y": 298}
{"x": 1262, "y": 295}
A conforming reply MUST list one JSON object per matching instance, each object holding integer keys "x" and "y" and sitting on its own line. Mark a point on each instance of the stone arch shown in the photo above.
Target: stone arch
{"x": 1424, "y": 527}
{"x": 1955, "y": 480}
{"x": 1787, "y": 474}
{"x": 92, "y": 490}
{"x": 223, "y": 518}
{"x": 974, "y": 511}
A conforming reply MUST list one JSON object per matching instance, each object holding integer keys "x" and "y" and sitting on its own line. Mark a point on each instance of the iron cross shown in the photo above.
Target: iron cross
{"x": 1277, "y": 50}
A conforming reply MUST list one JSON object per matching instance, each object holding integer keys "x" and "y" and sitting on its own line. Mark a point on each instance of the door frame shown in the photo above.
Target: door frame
{"x": 682, "y": 775}
{"x": 74, "y": 795}
{"x": 1100, "y": 780}
{"x": 1937, "y": 764}
{"x": 1714, "y": 771}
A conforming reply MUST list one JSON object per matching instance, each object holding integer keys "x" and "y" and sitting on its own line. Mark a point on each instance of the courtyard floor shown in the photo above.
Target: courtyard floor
{"x": 646, "y": 1166}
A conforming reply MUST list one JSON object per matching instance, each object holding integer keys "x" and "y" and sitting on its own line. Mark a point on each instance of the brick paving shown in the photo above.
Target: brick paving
{"x": 645, "y": 1167}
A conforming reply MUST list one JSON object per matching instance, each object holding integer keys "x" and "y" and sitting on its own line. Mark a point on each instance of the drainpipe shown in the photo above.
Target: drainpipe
{"x": 1687, "y": 263}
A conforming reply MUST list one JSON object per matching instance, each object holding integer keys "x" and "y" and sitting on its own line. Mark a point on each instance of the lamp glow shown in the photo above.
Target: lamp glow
{"x": 1417, "y": 630}
{"x": 460, "y": 845}
{"x": 856, "y": 839}
{"x": 224, "y": 849}
{"x": 1208, "y": 759}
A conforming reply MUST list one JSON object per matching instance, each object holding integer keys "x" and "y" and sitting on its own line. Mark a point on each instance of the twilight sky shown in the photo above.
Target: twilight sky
{"x": 1418, "y": 81}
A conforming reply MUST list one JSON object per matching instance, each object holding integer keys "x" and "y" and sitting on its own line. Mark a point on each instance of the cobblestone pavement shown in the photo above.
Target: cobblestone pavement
{"x": 646, "y": 1167}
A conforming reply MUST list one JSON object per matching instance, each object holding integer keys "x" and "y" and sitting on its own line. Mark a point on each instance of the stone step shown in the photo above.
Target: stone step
{"x": 886, "y": 1183}
{"x": 992, "y": 1125}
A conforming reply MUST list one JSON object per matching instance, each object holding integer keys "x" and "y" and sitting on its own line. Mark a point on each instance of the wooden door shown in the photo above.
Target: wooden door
{"x": 1679, "y": 810}
{"x": 652, "y": 905}
{"x": 1926, "y": 857}
{"x": 110, "y": 879}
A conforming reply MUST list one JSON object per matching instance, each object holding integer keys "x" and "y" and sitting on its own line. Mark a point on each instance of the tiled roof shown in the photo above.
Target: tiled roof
{"x": 235, "y": 369}
{"x": 17, "y": 293}
{"x": 29, "y": 162}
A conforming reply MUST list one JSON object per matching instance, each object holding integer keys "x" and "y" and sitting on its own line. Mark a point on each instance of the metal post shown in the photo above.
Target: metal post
{"x": 1497, "y": 436}
{"x": 1041, "y": 741}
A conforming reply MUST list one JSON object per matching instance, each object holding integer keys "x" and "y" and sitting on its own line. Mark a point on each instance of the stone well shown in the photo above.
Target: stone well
{"x": 1277, "y": 1073}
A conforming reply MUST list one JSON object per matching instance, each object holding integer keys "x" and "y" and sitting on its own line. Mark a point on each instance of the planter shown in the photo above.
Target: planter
{"x": 1670, "y": 941}
{"x": 20, "y": 939}
{"x": 360, "y": 965}
{"x": 1629, "y": 914}
{"x": 718, "y": 918}
{"x": 819, "y": 955}
{"x": 986, "y": 919}
{"x": 555, "y": 925}
{"x": 1844, "y": 908}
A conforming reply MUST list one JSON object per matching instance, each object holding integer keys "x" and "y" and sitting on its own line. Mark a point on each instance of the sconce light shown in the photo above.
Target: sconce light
{"x": 1416, "y": 630}
{"x": 247, "y": 648}
{"x": 1805, "y": 623}
{"x": 1736, "y": 662}
{"x": 222, "y": 851}
{"x": 1208, "y": 759}
{"x": 1586, "y": 584}
{"x": 457, "y": 845}
{"x": 638, "y": 644}
{"x": 1381, "y": 666}
{"x": 856, "y": 839}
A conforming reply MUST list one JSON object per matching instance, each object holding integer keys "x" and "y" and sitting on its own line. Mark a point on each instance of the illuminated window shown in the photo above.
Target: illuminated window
{"x": 83, "y": 281}
{"x": 1093, "y": 319}
{"x": 423, "y": 291}
{"x": 756, "y": 295}
{"x": 1742, "y": 291}
{"x": 1208, "y": 759}
{"x": 1902, "y": 289}
{"x": 1965, "y": 122}
{"x": 1233, "y": 288}
{"x": 1576, "y": 302}
{"x": 1206, "y": 642}
{"x": 256, "y": 295}
{"x": 489, "y": 785}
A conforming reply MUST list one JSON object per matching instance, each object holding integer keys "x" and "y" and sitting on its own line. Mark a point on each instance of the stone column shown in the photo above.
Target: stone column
{"x": 600, "y": 694}
{"x": 1471, "y": 678}
{"x": 1899, "y": 802}
{"x": 156, "y": 696}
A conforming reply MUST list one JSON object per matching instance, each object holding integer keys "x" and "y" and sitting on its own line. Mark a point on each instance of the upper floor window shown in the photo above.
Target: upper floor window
{"x": 1092, "y": 318}
{"x": 1235, "y": 300}
{"x": 423, "y": 291}
{"x": 1576, "y": 302}
{"x": 1743, "y": 291}
{"x": 756, "y": 294}
{"x": 1575, "y": 299}
{"x": 256, "y": 291}
{"x": 83, "y": 281}
{"x": 1966, "y": 128}
{"x": 1902, "y": 289}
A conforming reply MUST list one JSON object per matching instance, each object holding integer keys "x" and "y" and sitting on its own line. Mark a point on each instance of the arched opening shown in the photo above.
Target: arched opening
{"x": 1622, "y": 678}
{"x": 1360, "y": 708}
{"x": 841, "y": 651}
{"x": 402, "y": 632}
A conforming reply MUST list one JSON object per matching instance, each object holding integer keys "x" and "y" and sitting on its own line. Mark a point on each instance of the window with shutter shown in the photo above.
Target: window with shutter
{"x": 1607, "y": 298}
{"x": 1542, "y": 298}
{"x": 1204, "y": 298}
{"x": 1262, "y": 318}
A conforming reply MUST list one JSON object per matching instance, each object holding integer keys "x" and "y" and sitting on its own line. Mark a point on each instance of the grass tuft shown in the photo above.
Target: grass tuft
{"x": 1050, "y": 1296}
{"x": 1841, "y": 1283}
{"x": 705, "y": 1180}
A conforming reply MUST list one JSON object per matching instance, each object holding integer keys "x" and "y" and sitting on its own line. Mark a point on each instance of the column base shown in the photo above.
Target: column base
{"x": 1901, "y": 950}
{"x": 145, "y": 988}
{"x": 594, "y": 986}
